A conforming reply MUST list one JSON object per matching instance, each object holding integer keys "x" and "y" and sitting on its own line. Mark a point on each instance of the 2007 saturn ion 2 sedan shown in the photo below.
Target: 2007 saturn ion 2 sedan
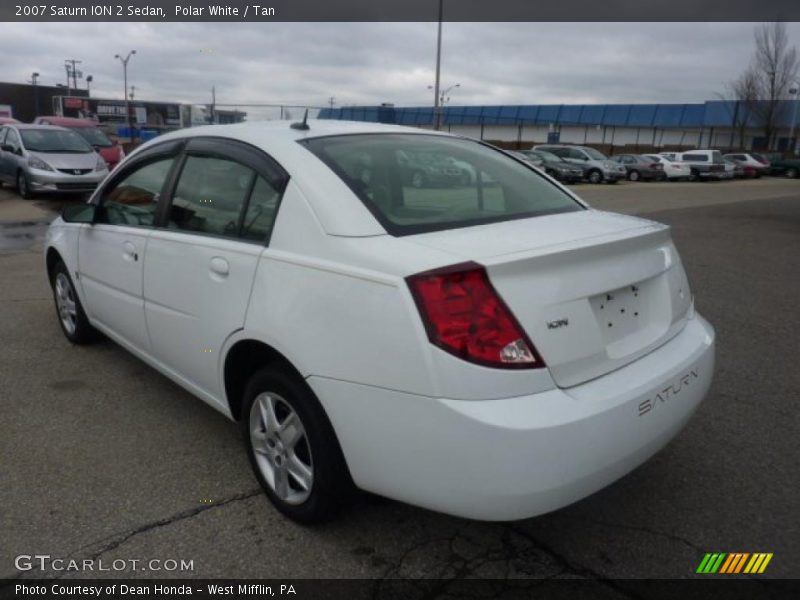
{"x": 491, "y": 348}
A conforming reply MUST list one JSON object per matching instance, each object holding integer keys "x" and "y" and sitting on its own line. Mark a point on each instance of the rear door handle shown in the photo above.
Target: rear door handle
{"x": 219, "y": 266}
{"x": 129, "y": 251}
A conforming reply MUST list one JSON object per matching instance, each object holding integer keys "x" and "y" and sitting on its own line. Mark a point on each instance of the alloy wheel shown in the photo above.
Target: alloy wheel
{"x": 65, "y": 301}
{"x": 281, "y": 448}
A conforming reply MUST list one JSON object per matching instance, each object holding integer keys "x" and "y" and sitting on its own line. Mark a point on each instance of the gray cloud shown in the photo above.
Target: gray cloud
{"x": 368, "y": 63}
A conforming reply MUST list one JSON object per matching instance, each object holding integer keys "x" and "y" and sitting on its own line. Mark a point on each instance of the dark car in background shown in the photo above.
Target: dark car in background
{"x": 640, "y": 167}
{"x": 787, "y": 167}
{"x": 557, "y": 167}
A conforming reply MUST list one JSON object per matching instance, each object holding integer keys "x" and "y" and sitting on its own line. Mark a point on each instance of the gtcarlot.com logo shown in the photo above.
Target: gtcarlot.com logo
{"x": 45, "y": 562}
{"x": 732, "y": 563}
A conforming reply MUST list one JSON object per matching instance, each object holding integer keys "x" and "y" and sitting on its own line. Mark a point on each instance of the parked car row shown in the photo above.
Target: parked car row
{"x": 55, "y": 154}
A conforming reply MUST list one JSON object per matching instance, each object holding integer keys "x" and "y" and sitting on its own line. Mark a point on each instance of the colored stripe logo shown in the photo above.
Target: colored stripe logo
{"x": 734, "y": 562}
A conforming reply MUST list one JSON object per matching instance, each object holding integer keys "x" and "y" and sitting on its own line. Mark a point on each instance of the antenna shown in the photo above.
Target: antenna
{"x": 302, "y": 126}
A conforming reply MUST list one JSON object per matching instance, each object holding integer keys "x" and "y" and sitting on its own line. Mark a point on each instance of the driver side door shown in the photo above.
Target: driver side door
{"x": 111, "y": 251}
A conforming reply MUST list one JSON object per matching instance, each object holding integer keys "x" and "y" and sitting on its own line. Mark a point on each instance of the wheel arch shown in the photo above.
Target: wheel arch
{"x": 52, "y": 258}
{"x": 242, "y": 360}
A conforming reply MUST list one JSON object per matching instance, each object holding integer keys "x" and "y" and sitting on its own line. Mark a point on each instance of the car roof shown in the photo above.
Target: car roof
{"x": 317, "y": 182}
{"x": 68, "y": 121}
{"x": 26, "y": 126}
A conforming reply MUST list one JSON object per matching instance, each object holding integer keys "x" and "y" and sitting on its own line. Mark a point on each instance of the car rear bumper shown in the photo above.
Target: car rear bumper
{"x": 519, "y": 457}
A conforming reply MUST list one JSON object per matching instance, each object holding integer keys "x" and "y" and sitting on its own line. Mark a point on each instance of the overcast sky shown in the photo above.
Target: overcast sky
{"x": 369, "y": 63}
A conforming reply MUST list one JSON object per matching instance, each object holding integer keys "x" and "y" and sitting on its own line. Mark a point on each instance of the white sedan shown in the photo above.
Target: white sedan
{"x": 673, "y": 169}
{"x": 492, "y": 350}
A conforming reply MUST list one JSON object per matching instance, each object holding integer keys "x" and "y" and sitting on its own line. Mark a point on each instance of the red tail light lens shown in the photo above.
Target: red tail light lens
{"x": 465, "y": 316}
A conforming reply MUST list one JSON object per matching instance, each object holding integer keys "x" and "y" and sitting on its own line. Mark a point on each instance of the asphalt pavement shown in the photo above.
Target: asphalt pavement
{"x": 103, "y": 458}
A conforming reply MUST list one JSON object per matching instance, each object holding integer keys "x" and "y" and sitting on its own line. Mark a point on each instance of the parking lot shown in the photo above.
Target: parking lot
{"x": 105, "y": 458}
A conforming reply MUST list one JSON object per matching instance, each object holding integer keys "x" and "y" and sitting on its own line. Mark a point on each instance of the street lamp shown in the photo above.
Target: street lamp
{"x": 794, "y": 92}
{"x": 124, "y": 62}
{"x": 441, "y": 99}
{"x": 89, "y": 79}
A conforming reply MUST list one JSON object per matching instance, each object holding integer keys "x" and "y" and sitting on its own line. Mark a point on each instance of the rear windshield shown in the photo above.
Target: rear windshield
{"x": 94, "y": 136}
{"x": 415, "y": 183}
{"x": 54, "y": 140}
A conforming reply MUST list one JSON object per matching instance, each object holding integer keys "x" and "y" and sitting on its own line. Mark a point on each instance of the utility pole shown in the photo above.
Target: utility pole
{"x": 34, "y": 82}
{"x": 331, "y": 101}
{"x": 72, "y": 70}
{"x": 436, "y": 119}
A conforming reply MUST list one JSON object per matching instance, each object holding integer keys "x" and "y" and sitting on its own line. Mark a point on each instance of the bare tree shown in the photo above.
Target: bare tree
{"x": 774, "y": 67}
{"x": 740, "y": 98}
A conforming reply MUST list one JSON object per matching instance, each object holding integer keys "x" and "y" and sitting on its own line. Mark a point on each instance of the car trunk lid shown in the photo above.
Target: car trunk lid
{"x": 593, "y": 290}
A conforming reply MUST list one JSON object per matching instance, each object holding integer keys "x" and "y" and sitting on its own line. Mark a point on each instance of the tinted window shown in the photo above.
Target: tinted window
{"x": 261, "y": 211}
{"x": 210, "y": 196}
{"x": 595, "y": 154}
{"x": 133, "y": 200}
{"x": 414, "y": 183}
{"x": 695, "y": 157}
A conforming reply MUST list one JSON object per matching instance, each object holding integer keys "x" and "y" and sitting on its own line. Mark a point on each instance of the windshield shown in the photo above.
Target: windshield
{"x": 94, "y": 136}
{"x": 54, "y": 140}
{"x": 479, "y": 185}
{"x": 595, "y": 154}
{"x": 548, "y": 156}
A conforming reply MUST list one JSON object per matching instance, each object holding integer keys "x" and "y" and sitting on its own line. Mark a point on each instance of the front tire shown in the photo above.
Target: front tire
{"x": 791, "y": 173}
{"x": 23, "y": 186}
{"x": 292, "y": 447}
{"x": 595, "y": 176}
{"x": 71, "y": 316}
{"x": 633, "y": 176}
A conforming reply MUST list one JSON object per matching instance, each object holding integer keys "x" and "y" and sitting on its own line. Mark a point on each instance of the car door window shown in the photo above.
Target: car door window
{"x": 210, "y": 196}
{"x": 134, "y": 199}
{"x": 12, "y": 139}
{"x": 261, "y": 211}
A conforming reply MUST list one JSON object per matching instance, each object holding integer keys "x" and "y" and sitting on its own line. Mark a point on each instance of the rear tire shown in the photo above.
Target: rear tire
{"x": 633, "y": 176}
{"x": 292, "y": 447}
{"x": 71, "y": 316}
{"x": 791, "y": 173}
{"x": 595, "y": 176}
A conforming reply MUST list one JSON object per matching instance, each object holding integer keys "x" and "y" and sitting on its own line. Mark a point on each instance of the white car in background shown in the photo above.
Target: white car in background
{"x": 493, "y": 352}
{"x": 673, "y": 169}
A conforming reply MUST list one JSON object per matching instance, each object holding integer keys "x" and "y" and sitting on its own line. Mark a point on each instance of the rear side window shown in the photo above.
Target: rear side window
{"x": 695, "y": 157}
{"x": 415, "y": 183}
{"x": 210, "y": 196}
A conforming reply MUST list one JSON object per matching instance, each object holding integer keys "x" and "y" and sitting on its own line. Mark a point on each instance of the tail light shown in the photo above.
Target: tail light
{"x": 465, "y": 316}
{"x": 656, "y": 166}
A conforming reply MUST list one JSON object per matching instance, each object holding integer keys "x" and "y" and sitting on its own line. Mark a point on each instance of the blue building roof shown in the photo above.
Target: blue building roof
{"x": 713, "y": 113}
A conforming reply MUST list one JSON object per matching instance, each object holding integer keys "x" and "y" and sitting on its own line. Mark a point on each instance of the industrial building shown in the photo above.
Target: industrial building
{"x": 613, "y": 127}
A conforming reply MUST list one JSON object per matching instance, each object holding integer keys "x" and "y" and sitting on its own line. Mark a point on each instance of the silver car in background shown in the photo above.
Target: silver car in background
{"x": 45, "y": 158}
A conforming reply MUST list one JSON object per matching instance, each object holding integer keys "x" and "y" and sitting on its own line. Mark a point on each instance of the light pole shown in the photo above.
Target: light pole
{"x": 436, "y": 119}
{"x": 794, "y": 91}
{"x": 89, "y": 80}
{"x": 441, "y": 99}
{"x": 34, "y": 82}
{"x": 124, "y": 62}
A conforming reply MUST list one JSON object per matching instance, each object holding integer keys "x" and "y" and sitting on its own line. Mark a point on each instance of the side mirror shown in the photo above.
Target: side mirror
{"x": 81, "y": 213}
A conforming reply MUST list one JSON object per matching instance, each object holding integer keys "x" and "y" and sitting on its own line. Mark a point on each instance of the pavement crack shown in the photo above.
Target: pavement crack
{"x": 120, "y": 538}
{"x": 642, "y": 529}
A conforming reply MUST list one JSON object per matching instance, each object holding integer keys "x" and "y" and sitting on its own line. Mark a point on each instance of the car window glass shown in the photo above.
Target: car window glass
{"x": 12, "y": 139}
{"x": 416, "y": 183}
{"x": 134, "y": 199}
{"x": 2, "y": 135}
{"x": 261, "y": 210}
{"x": 210, "y": 196}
